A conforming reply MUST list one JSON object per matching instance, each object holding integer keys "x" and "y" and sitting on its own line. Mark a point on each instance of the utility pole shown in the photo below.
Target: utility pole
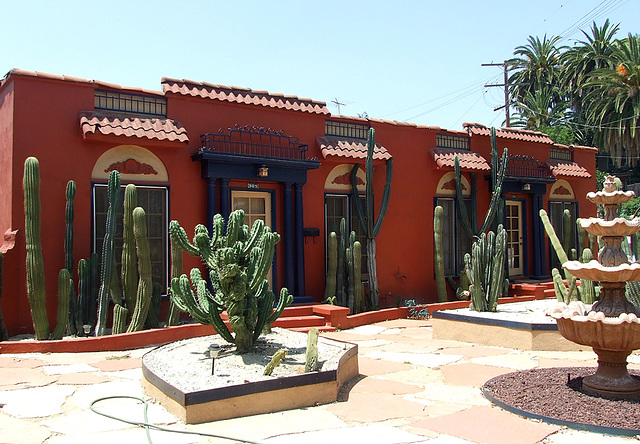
{"x": 338, "y": 104}
{"x": 506, "y": 89}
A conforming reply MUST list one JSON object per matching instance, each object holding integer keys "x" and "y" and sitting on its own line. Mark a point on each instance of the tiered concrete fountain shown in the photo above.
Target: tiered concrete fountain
{"x": 611, "y": 328}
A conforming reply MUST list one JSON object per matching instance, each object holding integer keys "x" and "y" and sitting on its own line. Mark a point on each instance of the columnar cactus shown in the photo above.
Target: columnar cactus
{"x": 108, "y": 249}
{"x": 129, "y": 267}
{"x": 145, "y": 285}
{"x": 370, "y": 224}
{"x": 64, "y": 293}
{"x": 84, "y": 305}
{"x": 238, "y": 262}
{"x": 36, "y": 289}
{"x": 341, "y": 296}
{"x": 332, "y": 267}
{"x": 68, "y": 254}
{"x": 486, "y": 270}
{"x": 173, "y": 315}
{"x": 438, "y": 253}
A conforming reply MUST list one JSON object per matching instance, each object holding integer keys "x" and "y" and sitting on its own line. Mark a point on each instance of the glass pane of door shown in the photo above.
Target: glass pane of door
{"x": 513, "y": 227}
{"x": 256, "y": 205}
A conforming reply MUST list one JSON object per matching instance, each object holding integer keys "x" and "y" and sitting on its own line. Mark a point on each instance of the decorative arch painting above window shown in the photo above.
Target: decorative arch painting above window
{"x": 561, "y": 190}
{"x": 135, "y": 164}
{"x": 447, "y": 185}
{"x": 339, "y": 179}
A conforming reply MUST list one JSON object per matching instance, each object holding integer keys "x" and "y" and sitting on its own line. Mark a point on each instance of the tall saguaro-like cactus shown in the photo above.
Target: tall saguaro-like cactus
{"x": 370, "y": 224}
{"x": 108, "y": 249}
{"x": 36, "y": 289}
{"x": 238, "y": 262}
{"x": 498, "y": 171}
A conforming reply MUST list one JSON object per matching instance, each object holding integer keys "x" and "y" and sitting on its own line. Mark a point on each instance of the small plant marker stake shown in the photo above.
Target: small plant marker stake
{"x": 214, "y": 355}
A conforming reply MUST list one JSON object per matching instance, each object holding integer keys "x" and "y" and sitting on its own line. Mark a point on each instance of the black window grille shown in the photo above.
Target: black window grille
{"x": 131, "y": 103}
{"x": 561, "y": 154}
{"x": 346, "y": 129}
{"x": 449, "y": 141}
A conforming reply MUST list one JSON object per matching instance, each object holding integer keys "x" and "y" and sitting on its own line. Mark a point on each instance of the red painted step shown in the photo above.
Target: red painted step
{"x": 299, "y": 321}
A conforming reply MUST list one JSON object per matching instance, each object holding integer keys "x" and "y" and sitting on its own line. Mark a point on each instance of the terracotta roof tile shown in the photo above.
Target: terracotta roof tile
{"x": 567, "y": 168}
{"x": 445, "y": 158}
{"x": 347, "y": 147}
{"x": 93, "y": 123}
{"x": 509, "y": 133}
{"x": 243, "y": 95}
{"x": 44, "y": 75}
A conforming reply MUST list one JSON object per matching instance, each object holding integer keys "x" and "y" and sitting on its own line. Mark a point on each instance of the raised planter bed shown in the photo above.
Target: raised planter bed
{"x": 178, "y": 375}
{"x": 521, "y": 325}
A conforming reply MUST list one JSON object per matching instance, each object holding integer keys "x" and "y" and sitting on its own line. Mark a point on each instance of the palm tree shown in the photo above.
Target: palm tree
{"x": 613, "y": 102}
{"x": 538, "y": 109}
{"x": 584, "y": 58}
{"x": 537, "y": 64}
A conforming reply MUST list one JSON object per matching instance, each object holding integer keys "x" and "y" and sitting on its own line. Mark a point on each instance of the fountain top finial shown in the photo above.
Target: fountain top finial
{"x": 609, "y": 185}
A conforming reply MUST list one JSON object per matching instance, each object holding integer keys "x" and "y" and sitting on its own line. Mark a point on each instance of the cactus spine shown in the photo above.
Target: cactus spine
{"x": 370, "y": 225}
{"x": 36, "y": 289}
{"x": 486, "y": 270}
{"x": 108, "y": 248}
{"x": 239, "y": 262}
{"x": 438, "y": 253}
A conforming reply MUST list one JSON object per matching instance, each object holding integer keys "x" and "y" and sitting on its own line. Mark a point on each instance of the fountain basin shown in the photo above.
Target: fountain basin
{"x": 613, "y": 340}
{"x": 605, "y": 334}
{"x": 616, "y": 227}
{"x": 610, "y": 197}
{"x": 594, "y": 271}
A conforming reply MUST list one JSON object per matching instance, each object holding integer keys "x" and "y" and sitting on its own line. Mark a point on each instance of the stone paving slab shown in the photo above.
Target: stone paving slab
{"x": 412, "y": 389}
{"x": 360, "y": 434}
{"x": 489, "y": 425}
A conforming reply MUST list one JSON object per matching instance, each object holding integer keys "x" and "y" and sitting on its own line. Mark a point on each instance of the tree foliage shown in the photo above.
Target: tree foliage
{"x": 584, "y": 94}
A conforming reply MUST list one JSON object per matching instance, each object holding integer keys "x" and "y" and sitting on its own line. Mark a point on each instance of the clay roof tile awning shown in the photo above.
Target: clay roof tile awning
{"x": 567, "y": 168}
{"x": 445, "y": 158}
{"x": 95, "y": 125}
{"x": 243, "y": 95}
{"x": 351, "y": 148}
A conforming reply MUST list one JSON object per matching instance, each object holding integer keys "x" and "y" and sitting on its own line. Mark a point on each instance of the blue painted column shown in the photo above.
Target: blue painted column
{"x": 299, "y": 221}
{"x": 539, "y": 250}
{"x": 288, "y": 235}
{"x": 225, "y": 205}
{"x": 211, "y": 202}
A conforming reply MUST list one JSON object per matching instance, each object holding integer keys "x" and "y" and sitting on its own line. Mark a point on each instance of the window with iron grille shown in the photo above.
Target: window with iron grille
{"x": 449, "y": 141}
{"x": 132, "y": 103}
{"x": 346, "y": 129}
{"x": 561, "y": 154}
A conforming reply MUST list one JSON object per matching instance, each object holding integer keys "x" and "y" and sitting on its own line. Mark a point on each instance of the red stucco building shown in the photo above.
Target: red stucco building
{"x": 195, "y": 149}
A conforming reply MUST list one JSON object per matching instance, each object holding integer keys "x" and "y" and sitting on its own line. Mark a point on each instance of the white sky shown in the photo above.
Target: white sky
{"x": 416, "y": 61}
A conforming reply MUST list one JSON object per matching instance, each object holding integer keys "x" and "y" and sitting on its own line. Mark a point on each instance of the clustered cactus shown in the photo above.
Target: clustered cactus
{"x": 344, "y": 271}
{"x": 238, "y": 263}
{"x": 486, "y": 270}
{"x": 77, "y": 314}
